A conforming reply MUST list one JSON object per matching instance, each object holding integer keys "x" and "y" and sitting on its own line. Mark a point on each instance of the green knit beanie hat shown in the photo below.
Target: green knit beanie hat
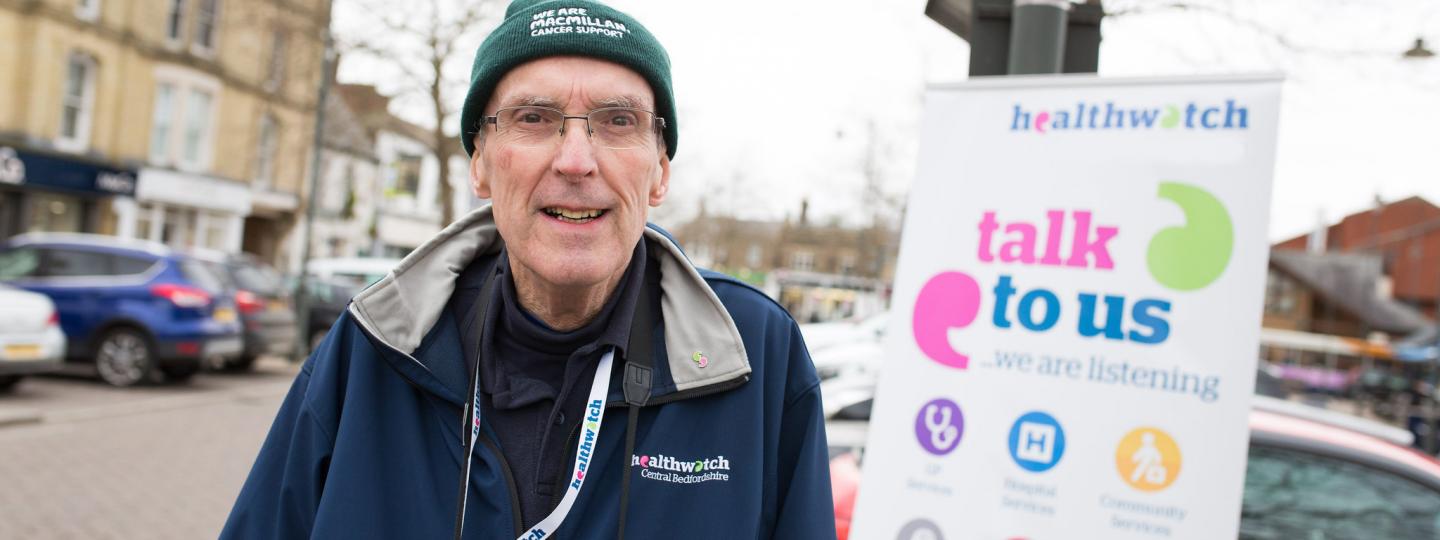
{"x": 535, "y": 29}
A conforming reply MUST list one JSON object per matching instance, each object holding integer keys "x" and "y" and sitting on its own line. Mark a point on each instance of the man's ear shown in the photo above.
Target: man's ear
{"x": 662, "y": 184}
{"x": 479, "y": 183}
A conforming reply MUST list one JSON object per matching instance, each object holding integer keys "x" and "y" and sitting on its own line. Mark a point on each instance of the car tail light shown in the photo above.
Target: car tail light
{"x": 248, "y": 302}
{"x": 54, "y": 319}
{"x": 182, "y": 296}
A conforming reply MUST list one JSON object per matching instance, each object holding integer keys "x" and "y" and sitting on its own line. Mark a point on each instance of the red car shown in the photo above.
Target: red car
{"x": 1311, "y": 473}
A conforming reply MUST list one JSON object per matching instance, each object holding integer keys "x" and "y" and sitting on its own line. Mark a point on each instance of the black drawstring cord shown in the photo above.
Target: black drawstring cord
{"x": 631, "y": 424}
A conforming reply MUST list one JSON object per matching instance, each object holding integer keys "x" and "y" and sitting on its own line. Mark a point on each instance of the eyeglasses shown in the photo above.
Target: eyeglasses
{"x": 616, "y": 128}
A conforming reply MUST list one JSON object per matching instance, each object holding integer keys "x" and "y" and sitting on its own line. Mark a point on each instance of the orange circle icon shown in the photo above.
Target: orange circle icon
{"x": 1148, "y": 459}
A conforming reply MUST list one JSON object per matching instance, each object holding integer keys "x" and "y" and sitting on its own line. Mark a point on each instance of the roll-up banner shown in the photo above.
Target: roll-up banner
{"x": 1077, "y": 312}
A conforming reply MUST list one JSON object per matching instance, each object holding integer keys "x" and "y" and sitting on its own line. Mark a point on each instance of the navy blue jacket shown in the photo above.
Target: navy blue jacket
{"x": 730, "y": 440}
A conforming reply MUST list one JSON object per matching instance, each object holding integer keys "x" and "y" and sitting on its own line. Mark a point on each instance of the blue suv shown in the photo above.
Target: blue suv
{"x": 136, "y": 309}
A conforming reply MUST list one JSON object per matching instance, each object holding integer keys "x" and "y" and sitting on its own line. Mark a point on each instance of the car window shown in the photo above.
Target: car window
{"x": 203, "y": 275}
{"x": 75, "y": 262}
{"x": 122, "y": 265}
{"x": 259, "y": 279}
{"x": 1292, "y": 494}
{"x": 19, "y": 263}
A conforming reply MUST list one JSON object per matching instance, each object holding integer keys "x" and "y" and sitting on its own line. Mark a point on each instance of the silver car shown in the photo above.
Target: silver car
{"x": 30, "y": 337}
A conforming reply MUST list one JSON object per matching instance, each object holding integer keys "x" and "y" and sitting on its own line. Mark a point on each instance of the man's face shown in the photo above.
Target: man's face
{"x": 528, "y": 184}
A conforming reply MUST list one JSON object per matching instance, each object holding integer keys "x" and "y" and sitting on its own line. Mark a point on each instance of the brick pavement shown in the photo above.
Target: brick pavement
{"x": 159, "y": 463}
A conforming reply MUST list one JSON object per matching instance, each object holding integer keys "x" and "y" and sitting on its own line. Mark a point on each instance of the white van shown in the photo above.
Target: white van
{"x": 358, "y": 271}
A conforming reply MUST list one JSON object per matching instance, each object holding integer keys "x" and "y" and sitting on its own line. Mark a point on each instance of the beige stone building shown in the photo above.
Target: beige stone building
{"x": 182, "y": 121}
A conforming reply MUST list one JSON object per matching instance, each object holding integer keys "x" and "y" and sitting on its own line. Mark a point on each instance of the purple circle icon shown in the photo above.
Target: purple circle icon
{"x": 939, "y": 426}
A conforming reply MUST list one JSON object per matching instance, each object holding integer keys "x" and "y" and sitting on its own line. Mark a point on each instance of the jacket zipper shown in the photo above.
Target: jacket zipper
{"x": 509, "y": 482}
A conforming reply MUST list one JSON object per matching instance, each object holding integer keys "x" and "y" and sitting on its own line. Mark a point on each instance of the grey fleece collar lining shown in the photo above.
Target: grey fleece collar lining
{"x": 400, "y": 309}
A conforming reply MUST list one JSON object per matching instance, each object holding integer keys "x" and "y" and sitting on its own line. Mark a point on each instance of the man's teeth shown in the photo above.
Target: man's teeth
{"x": 574, "y": 215}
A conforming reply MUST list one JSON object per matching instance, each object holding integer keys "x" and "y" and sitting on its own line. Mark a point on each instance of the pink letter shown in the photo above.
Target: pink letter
{"x": 987, "y": 230}
{"x": 1080, "y": 247}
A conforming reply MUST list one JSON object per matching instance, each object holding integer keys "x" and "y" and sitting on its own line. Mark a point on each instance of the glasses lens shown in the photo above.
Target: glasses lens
{"x": 530, "y": 126}
{"x": 622, "y": 128}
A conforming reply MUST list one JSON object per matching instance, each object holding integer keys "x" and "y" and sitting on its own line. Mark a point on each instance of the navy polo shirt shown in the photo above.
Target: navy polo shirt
{"x": 535, "y": 380}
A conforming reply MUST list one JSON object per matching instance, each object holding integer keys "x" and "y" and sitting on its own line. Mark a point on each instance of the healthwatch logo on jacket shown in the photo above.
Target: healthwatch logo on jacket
{"x": 682, "y": 471}
{"x": 1108, "y": 117}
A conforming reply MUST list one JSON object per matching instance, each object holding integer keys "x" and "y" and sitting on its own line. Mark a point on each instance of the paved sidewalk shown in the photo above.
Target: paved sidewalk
{"x": 155, "y": 464}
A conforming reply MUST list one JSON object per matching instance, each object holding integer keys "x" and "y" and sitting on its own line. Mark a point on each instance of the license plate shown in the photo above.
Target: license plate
{"x": 22, "y": 352}
{"x": 224, "y": 315}
{"x": 278, "y": 305}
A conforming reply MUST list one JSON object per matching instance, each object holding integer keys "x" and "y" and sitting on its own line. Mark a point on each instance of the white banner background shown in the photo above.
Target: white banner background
{"x": 983, "y": 151}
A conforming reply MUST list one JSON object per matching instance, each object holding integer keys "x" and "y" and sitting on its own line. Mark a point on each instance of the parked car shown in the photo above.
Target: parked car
{"x": 358, "y": 271}
{"x": 30, "y": 338}
{"x": 1312, "y": 473}
{"x": 134, "y": 309}
{"x": 827, "y": 335}
{"x": 266, "y": 313}
{"x": 325, "y": 300}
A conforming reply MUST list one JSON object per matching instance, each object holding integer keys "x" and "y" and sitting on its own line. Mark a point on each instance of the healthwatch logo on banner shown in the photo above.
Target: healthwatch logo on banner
{"x": 1182, "y": 258}
{"x": 1109, "y": 116}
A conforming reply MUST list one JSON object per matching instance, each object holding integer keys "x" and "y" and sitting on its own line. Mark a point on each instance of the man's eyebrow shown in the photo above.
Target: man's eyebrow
{"x": 531, "y": 101}
{"x": 622, "y": 101}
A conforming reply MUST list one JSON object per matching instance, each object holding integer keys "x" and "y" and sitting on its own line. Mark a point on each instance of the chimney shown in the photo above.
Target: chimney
{"x": 1318, "y": 241}
{"x": 804, "y": 211}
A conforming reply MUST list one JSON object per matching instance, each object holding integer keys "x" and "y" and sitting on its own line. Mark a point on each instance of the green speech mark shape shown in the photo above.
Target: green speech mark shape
{"x": 1171, "y": 118}
{"x": 1192, "y": 256}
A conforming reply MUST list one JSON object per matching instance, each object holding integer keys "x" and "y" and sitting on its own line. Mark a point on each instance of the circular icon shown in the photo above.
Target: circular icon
{"x": 1036, "y": 441}
{"x": 1148, "y": 459}
{"x": 939, "y": 426}
{"x": 920, "y": 529}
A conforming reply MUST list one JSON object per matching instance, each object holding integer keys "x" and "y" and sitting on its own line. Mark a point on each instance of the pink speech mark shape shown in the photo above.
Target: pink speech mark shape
{"x": 1040, "y": 120}
{"x": 645, "y": 461}
{"x": 948, "y": 300}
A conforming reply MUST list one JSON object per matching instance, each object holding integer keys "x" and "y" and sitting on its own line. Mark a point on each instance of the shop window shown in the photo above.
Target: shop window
{"x": 265, "y": 152}
{"x": 76, "y": 102}
{"x": 162, "y": 122}
{"x": 55, "y": 213}
{"x": 207, "y": 14}
{"x": 175, "y": 20}
{"x": 215, "y": 231}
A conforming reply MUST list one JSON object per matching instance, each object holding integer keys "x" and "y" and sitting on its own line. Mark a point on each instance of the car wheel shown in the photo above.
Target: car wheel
{"x": 241, "y": 363}
{"x": 124, "y": 358}
{"x": 9, "y": 381}
{"x": 180, "y": 374}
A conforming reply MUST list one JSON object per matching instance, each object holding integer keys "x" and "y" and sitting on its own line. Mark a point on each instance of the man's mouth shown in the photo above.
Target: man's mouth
{"x": 574, "y": 216}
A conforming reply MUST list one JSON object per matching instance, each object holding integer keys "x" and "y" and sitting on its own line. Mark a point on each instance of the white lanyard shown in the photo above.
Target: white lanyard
{"x": 585, "y": 448}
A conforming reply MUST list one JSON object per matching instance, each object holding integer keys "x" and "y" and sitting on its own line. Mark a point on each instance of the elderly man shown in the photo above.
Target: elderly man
{"x": 549, "y": 366}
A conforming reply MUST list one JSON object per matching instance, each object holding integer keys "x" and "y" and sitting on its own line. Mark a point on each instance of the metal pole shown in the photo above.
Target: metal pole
{"x": 1430, "y": 401}
{"x": 1037, "y": 36}
{"x": 317, "y": 143}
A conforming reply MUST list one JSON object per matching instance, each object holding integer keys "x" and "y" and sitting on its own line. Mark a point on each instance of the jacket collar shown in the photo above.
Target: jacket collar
{"x": 399, "y": 310}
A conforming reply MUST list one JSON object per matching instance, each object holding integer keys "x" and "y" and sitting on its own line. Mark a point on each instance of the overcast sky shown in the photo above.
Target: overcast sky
{"x": 784, "y": 101}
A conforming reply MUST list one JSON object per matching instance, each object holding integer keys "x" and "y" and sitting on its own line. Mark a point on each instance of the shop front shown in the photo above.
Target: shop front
{"x": 185, "y": 211}
{"x": 52, "y": 192}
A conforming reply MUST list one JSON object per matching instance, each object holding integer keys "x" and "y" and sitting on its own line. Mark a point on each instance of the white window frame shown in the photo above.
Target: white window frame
{"x": 85, "y": 109}
{"x": 802, "y": 260}
{"x": 187, "y": 83}
{"x": 160, "y": 149}
{"x": 175, "y": 23}
{"x": 267, "y": 145}
{"x": 205, "y": 49}
{"x": 201, "y": 134}
{"x": 87, "y": 10}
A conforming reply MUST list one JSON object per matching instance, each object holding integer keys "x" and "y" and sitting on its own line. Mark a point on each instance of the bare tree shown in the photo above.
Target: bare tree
{"x": 428, "y": 44}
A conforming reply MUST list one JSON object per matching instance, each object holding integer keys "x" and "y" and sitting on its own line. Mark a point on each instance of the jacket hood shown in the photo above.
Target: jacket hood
{"x": 400, "y": 309}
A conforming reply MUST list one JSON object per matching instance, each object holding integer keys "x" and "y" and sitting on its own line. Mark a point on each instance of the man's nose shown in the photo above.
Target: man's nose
{"x": 576, "y": 158}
